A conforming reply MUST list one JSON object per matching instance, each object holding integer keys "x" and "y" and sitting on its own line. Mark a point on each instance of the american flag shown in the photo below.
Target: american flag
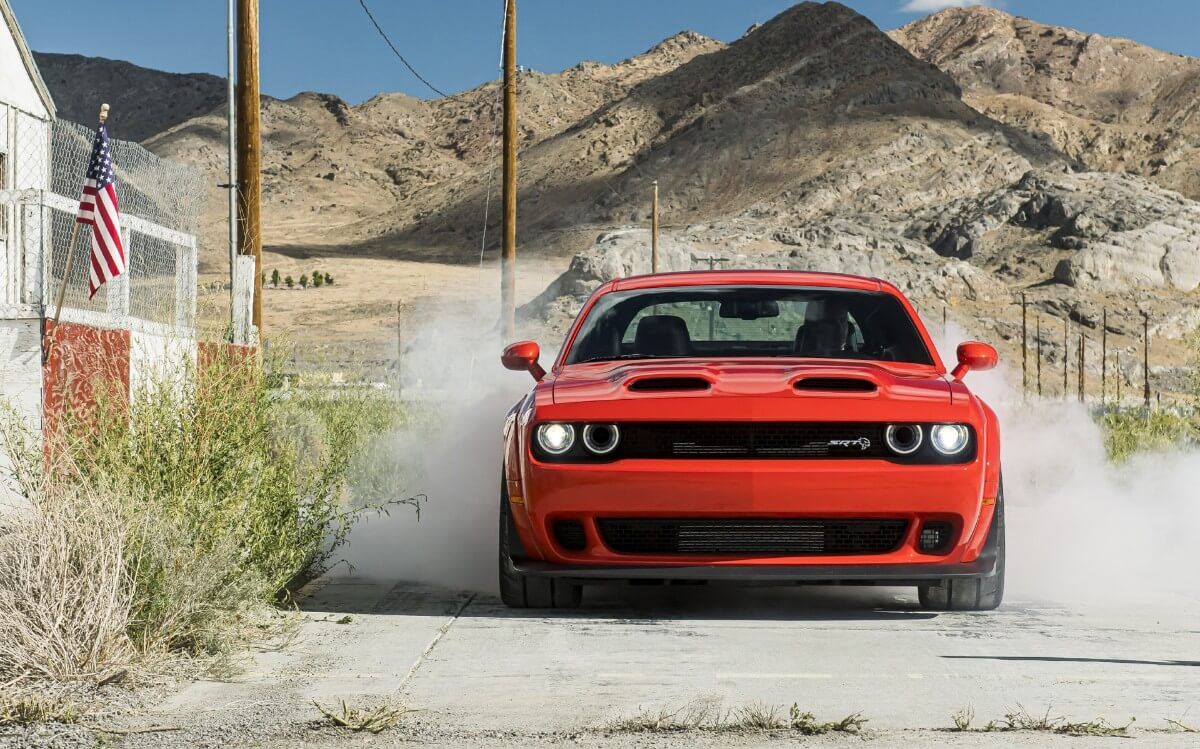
{"x": 99, "y": 209}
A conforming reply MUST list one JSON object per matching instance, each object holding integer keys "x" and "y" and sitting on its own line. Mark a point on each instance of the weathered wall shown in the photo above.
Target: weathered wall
{"x": 20, "y": 388}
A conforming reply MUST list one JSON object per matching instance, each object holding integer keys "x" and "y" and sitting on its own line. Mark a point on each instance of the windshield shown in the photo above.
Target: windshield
{"x": 748, "y": 321}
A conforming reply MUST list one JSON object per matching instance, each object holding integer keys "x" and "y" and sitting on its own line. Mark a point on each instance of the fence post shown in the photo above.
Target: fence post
{"x": 1039, "y": 356}
{"x": 243, "y": 301}
{"x": 1066, "y": 355}
{"x": 185, "y": 287}
{"x": 1146, "y": 359}
{"x": 1104, "y": 358}
{"x": 1082, "y": 363}
{"x": 118, "y": 288}
{"x": 1024, "y": 347}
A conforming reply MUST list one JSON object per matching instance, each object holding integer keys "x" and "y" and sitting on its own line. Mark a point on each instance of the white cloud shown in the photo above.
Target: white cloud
{"x": 929, "y": 6}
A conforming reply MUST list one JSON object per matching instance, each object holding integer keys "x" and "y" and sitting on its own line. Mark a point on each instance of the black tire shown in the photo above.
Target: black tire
{"x": 521, "y": 591}
{"x": 967, "y": 593}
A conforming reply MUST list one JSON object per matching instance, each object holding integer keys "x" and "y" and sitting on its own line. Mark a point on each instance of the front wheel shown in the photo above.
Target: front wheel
{"x": 971, "y": 594}
{"x": 521, "y": 591}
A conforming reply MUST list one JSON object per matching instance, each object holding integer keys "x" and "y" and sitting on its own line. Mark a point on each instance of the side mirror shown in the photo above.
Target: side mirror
{"x": 974, "y": 355}
{"x": 522, "y": 356}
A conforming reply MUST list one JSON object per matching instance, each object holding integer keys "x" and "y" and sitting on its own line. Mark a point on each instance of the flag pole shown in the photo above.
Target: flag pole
{"x": 62, "y": 288}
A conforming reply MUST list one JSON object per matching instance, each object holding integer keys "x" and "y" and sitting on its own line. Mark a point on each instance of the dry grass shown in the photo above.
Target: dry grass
{"x": 372, "y": 720}
{"x": 27, "y": 708}
{"x": 1021, "y": 720}
{"x": 65, "y": 598}
{"x": 171, "y": 524}
{"x": 756, "y": 717}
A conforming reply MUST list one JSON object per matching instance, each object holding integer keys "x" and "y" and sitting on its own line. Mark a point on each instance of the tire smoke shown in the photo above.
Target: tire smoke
{"x": 1080, "y": 529}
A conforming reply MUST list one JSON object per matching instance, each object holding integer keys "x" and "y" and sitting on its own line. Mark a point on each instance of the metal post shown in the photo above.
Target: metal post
{"x": 1120, "y": 375}
{"x": 231, "y": 184}
{"x": 1039, "y": 356}
{"x": 1024, "y": 346}
{"x": 508, "y": 258}
{"x": 943, "y": 320}
{"x": 250, "y": 149}
{"x": 1066, "y": 354}
{"x": 1104, "y": 357}
{"x": 1146, "y": 359}
{"x": 654, "y": 230}
{"x": 1082, "y": 364}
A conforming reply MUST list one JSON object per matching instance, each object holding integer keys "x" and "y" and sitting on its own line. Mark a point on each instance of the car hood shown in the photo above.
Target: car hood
{"x": 761, "y": 387}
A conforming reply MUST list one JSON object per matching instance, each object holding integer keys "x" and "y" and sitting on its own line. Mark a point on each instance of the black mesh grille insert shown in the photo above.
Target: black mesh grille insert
{"x": 764, "y": 536}
{"x": 758, "y": 440}
{"x": 569, "y": 534}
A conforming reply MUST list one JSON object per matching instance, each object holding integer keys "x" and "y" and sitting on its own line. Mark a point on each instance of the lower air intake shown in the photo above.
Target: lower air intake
{"x": 753, "y": 536}
{"x": 569, "y": 535}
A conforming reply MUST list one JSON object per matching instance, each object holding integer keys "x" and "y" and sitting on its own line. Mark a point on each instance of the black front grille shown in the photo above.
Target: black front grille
{"x": 755, "y": 536}
{"x": 752, "y": 440}
{"x": 570, "y": 535}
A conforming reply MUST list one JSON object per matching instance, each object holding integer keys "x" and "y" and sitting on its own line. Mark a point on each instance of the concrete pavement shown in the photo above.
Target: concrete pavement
{"x": 476, "y": 673}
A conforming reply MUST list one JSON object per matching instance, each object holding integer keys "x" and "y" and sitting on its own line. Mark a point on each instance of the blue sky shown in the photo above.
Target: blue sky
{"x": 330, "y": 46}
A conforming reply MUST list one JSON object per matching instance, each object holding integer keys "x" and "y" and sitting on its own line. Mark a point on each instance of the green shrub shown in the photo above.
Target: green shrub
{"x": 328, "y": 279}
{"x": 230, "y": 492}
{"x": 275, "y": 278}
{"x": 1129, "y": 432}
{"x": 303, "y": 281}
{"x": 317, "y": 280}
{"x": 289, "y": 281}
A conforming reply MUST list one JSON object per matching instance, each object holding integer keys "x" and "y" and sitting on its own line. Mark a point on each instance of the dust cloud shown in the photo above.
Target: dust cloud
{"x": 1080, "y": 529}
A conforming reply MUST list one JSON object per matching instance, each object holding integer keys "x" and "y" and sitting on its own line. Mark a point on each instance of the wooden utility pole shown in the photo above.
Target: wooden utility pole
{"x": 508, "y": 259}
{"x": 249, "y": 148}
{"x": 654, "y": 230}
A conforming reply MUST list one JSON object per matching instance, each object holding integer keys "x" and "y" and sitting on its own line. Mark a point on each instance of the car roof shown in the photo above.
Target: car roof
{"x": 747, "y": 277}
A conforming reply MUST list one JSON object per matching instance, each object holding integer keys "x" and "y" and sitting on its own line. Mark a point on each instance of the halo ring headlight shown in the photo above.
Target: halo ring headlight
{"x": 949, "y": 439}
{"x": 903, "y": 439}
{"x": 601, "y": 439}
{"x": 556, "y": 438}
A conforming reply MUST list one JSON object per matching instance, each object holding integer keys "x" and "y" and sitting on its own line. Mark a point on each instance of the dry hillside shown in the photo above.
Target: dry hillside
{"x": 971, "y": 156}
{"x": 1114, "y": 104}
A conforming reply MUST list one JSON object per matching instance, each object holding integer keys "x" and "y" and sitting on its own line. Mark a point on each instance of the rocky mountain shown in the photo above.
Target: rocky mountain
{"x": 144, "y": 101}
{"x": 1112, "y": 104}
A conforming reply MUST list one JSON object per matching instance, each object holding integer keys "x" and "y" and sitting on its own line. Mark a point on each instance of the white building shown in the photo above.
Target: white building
{"x": 26, "y": 114}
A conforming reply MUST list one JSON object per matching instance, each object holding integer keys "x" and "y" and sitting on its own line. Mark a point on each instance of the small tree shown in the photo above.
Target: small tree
{"x": 328, "y": 279}
{"x": 317, "y": 280}
{"x": 289, "y": 281}
{"x": 275, "y": 278}
{"x": 303, "y": 281}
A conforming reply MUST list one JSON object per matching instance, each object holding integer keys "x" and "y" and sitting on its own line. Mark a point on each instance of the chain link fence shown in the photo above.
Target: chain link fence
{"x": 160, "y": 214}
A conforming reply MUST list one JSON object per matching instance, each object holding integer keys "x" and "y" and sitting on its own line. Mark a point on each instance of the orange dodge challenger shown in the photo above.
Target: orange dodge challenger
{"x": 755, "y": 427}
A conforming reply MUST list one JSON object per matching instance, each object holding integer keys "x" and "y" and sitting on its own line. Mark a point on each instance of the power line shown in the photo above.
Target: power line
{"x": 411, "y": 69}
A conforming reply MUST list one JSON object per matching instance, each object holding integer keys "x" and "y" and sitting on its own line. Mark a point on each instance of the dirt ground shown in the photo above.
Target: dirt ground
{"x": 474, "y": 673}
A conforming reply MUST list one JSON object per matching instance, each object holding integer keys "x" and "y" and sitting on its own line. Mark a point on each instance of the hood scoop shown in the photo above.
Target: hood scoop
{"x": 835, "y": 385}
{"x": 668, "y": 384}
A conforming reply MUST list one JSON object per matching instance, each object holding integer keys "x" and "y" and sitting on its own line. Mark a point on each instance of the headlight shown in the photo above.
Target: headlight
{"x": 601, "y": 439}
{"x": 903, "y": 439}
{"x": 949, "y": 439}
{"x": 554, "y": 438}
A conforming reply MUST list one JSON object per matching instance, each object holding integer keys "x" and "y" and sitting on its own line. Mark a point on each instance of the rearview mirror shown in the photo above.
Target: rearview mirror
{"x": 974, "y": 355}
{"x": 522, "y": 356}
{"x": 748, "y": 309}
